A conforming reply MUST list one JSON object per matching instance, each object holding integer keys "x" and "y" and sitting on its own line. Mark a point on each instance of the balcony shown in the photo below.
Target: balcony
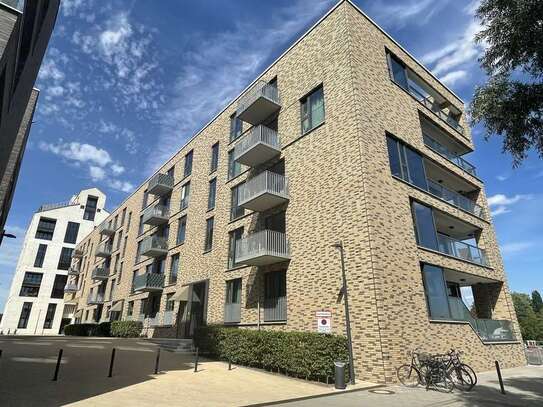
{"x": 156, "y": 215}
{"x": 449, "y": 155}
{"x": 263, "y": 248}
{"x": 257, "y": 147}
{"x": 149, "y": 282}
{"x": 73, "y": 271}
{"x": 106, "y": 228}
{"x": 454, "y": 198}
{"x": 77, "y": 253}
{"x": 154, "y": 246}
{"x": 104, "y": 249}
{"x": 70, "y": 288}
{"x": 263, "y": 192}
{"x": 100, "y": 273}
{"x": 461, "y": 250}
{"x": 95, "y": 299}
{"x": 160, "y": 184}
{"x": 259, "y": 103}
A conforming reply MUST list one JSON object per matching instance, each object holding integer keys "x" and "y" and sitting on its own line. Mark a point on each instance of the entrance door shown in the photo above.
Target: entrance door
{"x": 63, "y": 323}
{"x": 192, "y": 313}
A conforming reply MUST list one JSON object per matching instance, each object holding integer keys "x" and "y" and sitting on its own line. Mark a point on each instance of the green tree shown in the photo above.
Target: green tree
{"x": 510, "y": 104}
{"x": 537, "y": 302}
{"x": 531, "y": 326}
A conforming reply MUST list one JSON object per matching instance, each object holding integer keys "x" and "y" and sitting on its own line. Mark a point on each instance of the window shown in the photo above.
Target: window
{"x": 128, "y": 222}
{"x": 25, "y": 315}
{"x": 119, "y": 239}
{"x": 397, "y": 71}
{"x": 425, "y": 230}
{"x": 174, "y": 268}
{"x": 120, "y": 273}
{"x": 232, "y": 305}
{"x": 212, "y": 194}
{"x": 188, "y": 163}
{"x": 234, "y": 167}
{"x": 134, "y": 275}
{"x": 185, "y": 195}
{"x": 436, "y": 292}
{"x": 275, "y": 296}
{"x": 141, "y": 225}
{"x": 46, "y": 228}
{"x": 115, "y": 221}
{"x": 130, "y": 309}
{"x": 145, "y": 199}
{"x": 312, "y": 110}
{"x": 58, "y": 286}
{"x": 65, "y": 259}
{"x": 170, "y": 304}
{"x": 171, "y": 171}
{"x": 406, "y": 164}
{"x": 123, "y": 216}
{"x": 236, "y": 127}
{"x": 124, "y": 245}
{"x": 116, "y": 264}
{"x": 31, "y": 284}
{"x": 236, "y": 211}
{"x": 90, "y": 208}
{"x": 112, "y": 289}
{"x": 71, "y": 232}
{"x": 49, "y": 316}
{"x": 214, "y": 157}
{"x": 233, "y": 238}
{"x": 181, "y": 229}
{"x": 40, "y": 255}
{"x": 209, "y": 234}
{"x": 138, "y": 252}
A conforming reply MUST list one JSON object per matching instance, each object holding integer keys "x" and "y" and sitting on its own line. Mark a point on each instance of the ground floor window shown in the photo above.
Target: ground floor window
{"x": 49, "y": 316}
{"x": 275, "y": 296}
{"x": 25, "y": 315}
{"x": 232, "y": 306}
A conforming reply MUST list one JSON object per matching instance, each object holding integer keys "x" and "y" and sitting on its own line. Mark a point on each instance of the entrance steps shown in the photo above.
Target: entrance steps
{"x": 173, "y": 344}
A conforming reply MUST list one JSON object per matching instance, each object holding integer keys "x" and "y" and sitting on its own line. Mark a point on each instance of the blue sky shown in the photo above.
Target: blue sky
{"x": 126, "y": 83}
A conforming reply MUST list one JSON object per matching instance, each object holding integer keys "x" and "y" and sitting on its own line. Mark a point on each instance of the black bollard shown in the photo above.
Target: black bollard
{"x": 196, "y": 361}
{"x": 55, "y": 377}
{"x": 229, "y": 364}
{"x": 110, "y": 374}
{"x": 157, "y": 361}
{"x": 502, "y": 389}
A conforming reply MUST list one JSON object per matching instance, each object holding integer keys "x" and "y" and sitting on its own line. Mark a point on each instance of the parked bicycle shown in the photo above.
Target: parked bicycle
{"x": 463, "y": 375}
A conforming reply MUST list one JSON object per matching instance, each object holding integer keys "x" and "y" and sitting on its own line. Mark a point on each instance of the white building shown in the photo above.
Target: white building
{"x": 35, "y": 305}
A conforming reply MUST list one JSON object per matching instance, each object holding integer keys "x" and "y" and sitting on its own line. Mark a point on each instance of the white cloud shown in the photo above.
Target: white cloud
{"x": 500, "y": 210}
{"x": 122, "y": 186}
{"x": 117, "y": 169}
{"x": 400, "y": 13}
{"x": 70, "y": 7}
{"x": 75, "y": 151}
{"x": 502, "y": 177}
{"x": 516, "y": 247}
{"x": 97, "y": 173}
{"x": 504, "y": 200}
{"x": 9, "y": 253}
{"x": 472, "y": 7}
{"x": 453, "y": 77}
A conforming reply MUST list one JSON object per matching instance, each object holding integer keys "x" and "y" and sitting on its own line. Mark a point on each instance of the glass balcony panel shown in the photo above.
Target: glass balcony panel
{"x": 461, "y": 250}
{"x": 449, "y": 155}
{"x": 455, "y": 199}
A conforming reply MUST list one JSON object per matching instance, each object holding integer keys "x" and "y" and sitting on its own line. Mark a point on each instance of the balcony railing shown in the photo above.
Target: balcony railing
{"x": 160, "y": 184}
{"x": 96, "y": 299}
{"x": 156, "y": 215}
{"x": 106, "y": 228}
{"x": 449, "y": 155}
{"x": 57, "y": 205}
{"x": 104, "y": 249}
{"x": 461, "y": 250}
{"x": 264, "y": 191}
{"x": 70, "y": 288}
{"x": 100, "y": 273}
{"x": 149, "y": 282}
{"x": 454, "y": 198}
{"x": 77, "y": 253}
{"x": 73, "y": 271}
{"x": 257, "y": 147}
{"x": 262, "y": 248}
{"x": 258, "y": 103}
{"x": 154, "y": 246}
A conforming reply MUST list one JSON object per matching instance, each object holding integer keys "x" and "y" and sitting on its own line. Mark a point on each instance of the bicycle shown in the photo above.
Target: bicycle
{"x": 437, "y": 374}
{"x": 462, "y": 374}
{"x": 410, "y": 375}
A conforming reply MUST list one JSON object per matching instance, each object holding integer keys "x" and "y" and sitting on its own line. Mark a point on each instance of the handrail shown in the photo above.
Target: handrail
{"x": 449, "y": 155}
{"x": 158, "y": 210}
{"x": 258, "y": 134}
{"x": 266, "y": 181}
{"x": 51, "y": 206}
{"x": 154, "y": 242}
{"x": 454, "y": 198}
{"x": 160, "y": 179}
{"x": 461, "y": 250}
{"x": 264, "y": 242}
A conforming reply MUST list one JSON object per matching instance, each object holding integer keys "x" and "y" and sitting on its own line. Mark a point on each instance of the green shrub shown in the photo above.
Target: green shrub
{"x": 80, "y": 329}
{"x": 126, "y": 329}
{"x": 301, "y": 354}
{"x": 103, "y": 329}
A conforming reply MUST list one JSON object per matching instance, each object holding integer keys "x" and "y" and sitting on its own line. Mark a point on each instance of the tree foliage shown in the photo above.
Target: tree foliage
{"x": 530, "y": 321}
{"x": 510, "y": 104}
{"x": 537, "y": 302}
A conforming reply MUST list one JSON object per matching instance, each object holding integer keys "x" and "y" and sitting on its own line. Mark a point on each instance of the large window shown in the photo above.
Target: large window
{"x": 170, "y": 304}
{"x": 436, "y": 292}
{"x": 397, "y": 71}
{"x": 212, "y": 194}
{"x": 145, "y": 199}
{"x": 181, "y": 229}
{"x": 174, "y": 268}
{"x": 214, "y": 157}
{"x": 25, "y": 315}
{"x": 31, "y": 284}
{"x": 49, "y": 316}
{"x": 90, "y": 208}
{"x": 312, "y": 110}
{"x": 46, "y": 228}
{"x": 71, "y": 232}
{"x": 236, "y": 211}
{"x": 40, "y": 255}
{"x": 425, "y": 230}
{"x": 275, "y": 296}
{"x": 130, "y": 309}
{"x": 233, "y": 238}
{"x": 236, "y": 127}
{"x": 58, "y": 286}
{"x": 185, "y": 195}
{"x": 188, "y": 163}
{"x": 406, "y": 164}
{"x": 141, "y": 225}
{"x": 208, "y": 244}
{"x": 234, "y": 167}
{"x": 232, "y": 305}
{"x": 65, "y": 259}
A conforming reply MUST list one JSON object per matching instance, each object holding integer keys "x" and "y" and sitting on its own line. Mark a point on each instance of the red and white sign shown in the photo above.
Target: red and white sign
{"x": 324, "y": 322}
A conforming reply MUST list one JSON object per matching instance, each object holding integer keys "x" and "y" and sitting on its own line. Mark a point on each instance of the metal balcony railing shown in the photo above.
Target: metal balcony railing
{"x": 149, "y": 282}
{"x": 154, "y": 246}
{"x": 48, "y": 207}
{"x": 77, "y": 253}
{"x": 70, "y": 288}
{"x": 73, "y": 271}
{"x": 97, "y": 298}
{"x": 100, "y": 273}
{"x": 261, "y": 248}
{"x": 449, "y": 155}
{"x": 264, "y": 191}
{"x": 106, "y": 228}
{"x": 461, "y": 250}
{"x": 160, "y": 184}
{"x": 260, "y": 145}
{"x": 156, "y": 215}
{"x": 454, "y": 198}
{"x": 258, "y": 103}
{"x": 104, "y": 249}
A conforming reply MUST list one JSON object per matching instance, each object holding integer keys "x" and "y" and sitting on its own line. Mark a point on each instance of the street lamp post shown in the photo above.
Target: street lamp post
{"x": 4, "y": 234}
{"x": 339, "y": 246}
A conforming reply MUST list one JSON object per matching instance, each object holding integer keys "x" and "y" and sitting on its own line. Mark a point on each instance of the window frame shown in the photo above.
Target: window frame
{"x": 307, "y": 100}
{"x": 208, "y": 241}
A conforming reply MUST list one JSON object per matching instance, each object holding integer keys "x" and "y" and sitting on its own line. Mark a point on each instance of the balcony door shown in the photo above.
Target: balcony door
{"x": 192, "y": 309}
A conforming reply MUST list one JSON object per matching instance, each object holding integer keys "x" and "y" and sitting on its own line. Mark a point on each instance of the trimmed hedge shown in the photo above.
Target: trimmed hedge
{"x": 301, "y": 354}
{"x": 103, "y": 329}
{"x": 126, "y": 329}
{"x": 80, "y": 329}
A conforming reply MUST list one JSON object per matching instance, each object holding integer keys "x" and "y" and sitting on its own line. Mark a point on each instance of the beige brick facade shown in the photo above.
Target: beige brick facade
{"x": 340, "y": 189}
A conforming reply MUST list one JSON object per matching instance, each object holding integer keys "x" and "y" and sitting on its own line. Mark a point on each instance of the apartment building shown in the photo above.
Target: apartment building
{"x": 35, "y": 305}
{"x": 25, "y": 29}
{"x": 345, "y": 137}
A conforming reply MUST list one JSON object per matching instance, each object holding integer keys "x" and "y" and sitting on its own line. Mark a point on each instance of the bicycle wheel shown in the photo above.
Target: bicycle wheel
{"x": 461, "y": 378}
{"x": 408, "y": 376}
{"x": 470, "y": 371}
{"x": 439, "y": 379}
